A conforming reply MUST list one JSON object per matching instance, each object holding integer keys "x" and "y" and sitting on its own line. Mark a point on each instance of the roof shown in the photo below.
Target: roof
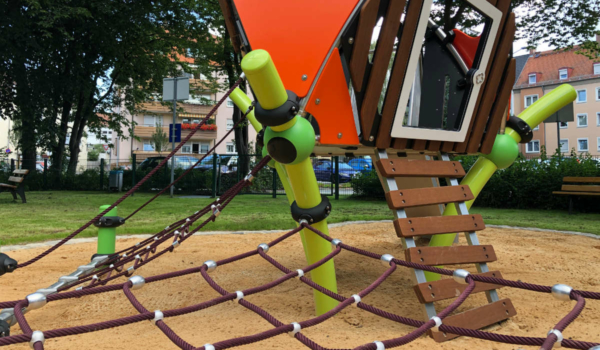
{"x": 546, "y": 65}
{"x": 520, "y": 61}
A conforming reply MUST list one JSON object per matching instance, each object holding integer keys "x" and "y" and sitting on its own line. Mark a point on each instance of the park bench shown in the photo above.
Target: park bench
{"x": 17, "y": 178}
{"x": 579, "y": 186}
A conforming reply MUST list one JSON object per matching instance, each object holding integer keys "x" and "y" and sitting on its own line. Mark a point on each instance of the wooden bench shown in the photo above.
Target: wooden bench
{"x": 17, "y": 178}
{"x": 579, "y": 186}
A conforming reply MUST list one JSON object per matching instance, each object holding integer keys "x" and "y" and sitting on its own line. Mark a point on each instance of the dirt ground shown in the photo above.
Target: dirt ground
{"x": 537, "y": 257}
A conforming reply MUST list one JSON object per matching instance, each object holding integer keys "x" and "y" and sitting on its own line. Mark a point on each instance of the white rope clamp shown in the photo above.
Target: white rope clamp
{"x": 438, "y": 323}
{"x": 357, "y": 299}
{"x": 300, "y": 273}
{"x": 209, "y": 347}
{"x": 36, "y": 336}
{"x": 559, "y": 337}
{"x": 296, "y": 330}
{"x": 158, "y": 316}
{"x": 239, "y": 296}
{"x": 249, "y": 177}
{"x": 379, "y": 345}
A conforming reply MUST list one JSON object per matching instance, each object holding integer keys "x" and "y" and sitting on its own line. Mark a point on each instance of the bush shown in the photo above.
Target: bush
{"x": 367, "y": 185}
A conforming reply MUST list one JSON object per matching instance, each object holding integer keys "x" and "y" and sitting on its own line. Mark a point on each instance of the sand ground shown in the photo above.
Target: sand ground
{"x": 537, "y": 257}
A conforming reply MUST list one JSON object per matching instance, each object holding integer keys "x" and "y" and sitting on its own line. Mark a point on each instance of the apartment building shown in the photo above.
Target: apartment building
{"x": 544, "y": 71}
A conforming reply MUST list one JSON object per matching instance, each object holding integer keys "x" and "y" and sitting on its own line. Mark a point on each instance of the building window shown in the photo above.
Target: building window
{"x": 564, "y": 145}
{"x": 532, "y": 79}
{"x": 230, "y": 147}
{"x": 598, "y": 119}
{"x": 204, "y": 147}
{"x": 597, "y": 68}
{"x": 533, "y": 146}
{"x": 196, "y": 121}
{"x": 229, "y": 124}
{"x": 229, "y": 103}
{"x": 598, "y": 143}
{"x": 581, "y": 96}
{"x": 187, "y": 148}
{"x": 152, "y": 120}
{"x": 148, "y": 146}
{"x": 536, "y": 128}
{"x": 185, "y": 121}
{"x": 598, "y": 94}
{"x": 582, "y": 120}
{"x": 564, "y": 125}
{"x": 563, "y": 74}
{"x": 582, "y": 145}
{"x": 530, "y": 99}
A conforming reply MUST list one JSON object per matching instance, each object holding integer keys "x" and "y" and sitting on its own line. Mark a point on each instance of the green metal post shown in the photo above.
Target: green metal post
{"x": 337, "y": 177}
{"x": 107, "y": 236}
{"x": 45, "y": 173}
{"x": 101, "y": 174}
{"x": 214, "y": 184}
{"x": 133, "y": 168}
{"x": 12, "y": 165}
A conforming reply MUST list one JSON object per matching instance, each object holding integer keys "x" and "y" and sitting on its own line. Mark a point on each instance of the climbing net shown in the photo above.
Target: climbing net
{"x": 95, "y": 277}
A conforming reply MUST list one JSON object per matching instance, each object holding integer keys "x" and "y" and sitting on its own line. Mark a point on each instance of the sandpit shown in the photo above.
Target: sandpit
{"x": 537, "y": 257}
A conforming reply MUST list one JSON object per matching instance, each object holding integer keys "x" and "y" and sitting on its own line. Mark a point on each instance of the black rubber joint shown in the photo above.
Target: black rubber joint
{"x": 7, "y": 265}
{"x": 280, "y": 115}
{"x": 312, "y": 215}
{"x": 522, "y": 128}
{"x": 110, "y": 221}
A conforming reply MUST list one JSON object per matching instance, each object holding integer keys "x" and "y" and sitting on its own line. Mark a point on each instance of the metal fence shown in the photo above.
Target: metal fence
{"x": 336, "y": 176}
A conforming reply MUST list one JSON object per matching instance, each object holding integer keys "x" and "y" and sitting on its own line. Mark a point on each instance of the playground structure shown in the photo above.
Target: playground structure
{"x": 448, "y": 95}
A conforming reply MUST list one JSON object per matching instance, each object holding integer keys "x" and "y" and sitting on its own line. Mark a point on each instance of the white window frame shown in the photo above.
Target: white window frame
{"x": 536, "y": 128}
{"x": 597, "y": 118}
{"x": 228, "y": 145}
{"x": 230, "y": 103}
{"x": 598, "y": 94}
{"x": 230, "y": 124}
{"x": 560, "y": 146}
{"x": 586, "y": 120}
{"x": 149, "y": 143}
{"x": 187, "y": 145}
{"x": 155, "y": 118}
{"x": 584, "y": 101}
{"x": 564, "y": 127}
{"x": 532, "y": 142}
{"x": 588, "y": 144}
{"x": 596, "y": 68}
{"x": 537, "y": 97}
{"x": 598, "y": 143}
{"x": 561, "y": 72}
{"x": 534, "y": 76}
{"x": 204, "y": 147}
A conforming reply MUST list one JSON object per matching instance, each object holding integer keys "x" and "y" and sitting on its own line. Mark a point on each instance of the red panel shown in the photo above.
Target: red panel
{"x": 466, "y": 46}
{"x": 297, "y": 33}
{"x": 334, "y": 111}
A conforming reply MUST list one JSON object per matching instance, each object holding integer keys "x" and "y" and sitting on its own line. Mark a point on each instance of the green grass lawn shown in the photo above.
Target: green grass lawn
{"x": 54, "y": 215}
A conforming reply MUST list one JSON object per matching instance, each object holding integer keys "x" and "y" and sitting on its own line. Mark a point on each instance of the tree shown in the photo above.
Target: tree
{"x": 159, "y": 139}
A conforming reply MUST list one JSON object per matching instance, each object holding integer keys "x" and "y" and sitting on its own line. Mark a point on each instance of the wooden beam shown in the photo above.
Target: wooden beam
{"x": 467, "y": 254}
{"x": 362, "y": 42}
{"x": 419, "y": 168}
{"x": 418, "y": 197}
{"x": 435, "y": 225}
{"x": 447, "y": 288}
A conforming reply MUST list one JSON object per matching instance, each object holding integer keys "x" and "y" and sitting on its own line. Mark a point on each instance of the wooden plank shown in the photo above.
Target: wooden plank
{"x": 580, "y": 188}
{"x": 576, "y": 193}
{"x": 418, "y": 197}
{"x": 405, "y": 43}
{"x": 582, "y": 179}
{"x": 435, "y": 225}
{"x": 466, "y": 254}
{"x": 447, "y": 146}
{"x": 15, "y": 179}
{"x": 21, "y": 171}
{"x": 230, "y": 24}
{"x": 477, "y": 318}
{"x": 491, "y": 86}
{"x": 381, "y": 62}
{"x": 7, "y": 186}
{"x": 499, "y": 109}
{"x": 419, "y": 168}
{"x": 434, "y": 146}
{"x": 419, "y": 145}
{"x": 362, "y": 42}
{"x": 503, "y": 6}
{"x": 447, "y": 288}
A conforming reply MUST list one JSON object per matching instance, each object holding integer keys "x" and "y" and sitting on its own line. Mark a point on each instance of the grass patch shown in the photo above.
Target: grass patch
{"x": 54, "y": 215}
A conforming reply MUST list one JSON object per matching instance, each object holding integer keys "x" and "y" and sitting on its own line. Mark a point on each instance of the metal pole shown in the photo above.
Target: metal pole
{"x": 12, "y": 165}
{"x": 133, "y": 168}
{"x": 337, "y": 177}
{"x": 558, "y": 136}
{"x": 274, "y": 183}
{"x": 45, "y": 173}
{"x": 101, "y": 173}
{"x": 214, "y": 184}
{"x": 173, "y": 133}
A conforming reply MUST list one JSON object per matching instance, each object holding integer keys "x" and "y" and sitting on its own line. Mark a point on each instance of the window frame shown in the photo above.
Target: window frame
{"x": 227, "y": 145}
{"x": 537, "y": 97}
{"x": 534, "y": 78}
{"x": 184, "y": 146}
{"x": 598, "y": 94}
{"x": 586, "y": 120}
{"x": 596, "y": 68}
{"x": 598, "y": 143}
{"x": 536, "y": 128}
{"x": 560, "y": 146}
{"x": 560, "y": 73}
{"x": 578, "y": 91}
{"x": 202, "y": 147}
{"x": 229, "y": 103}
{"x": 588, "y": 144}
{"x": 563, "y": 127}
{"x": 149, "y": 143}
{"x": 227, "y": 126}
{"x": 597, "y": 118}
{"x": 532, "y": 142}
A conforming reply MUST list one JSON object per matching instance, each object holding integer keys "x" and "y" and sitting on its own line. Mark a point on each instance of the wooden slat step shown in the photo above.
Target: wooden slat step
{"x": 582, "y": 179}
{"x": 447, "y": 288}
{"x": 581, "y": 188}
{"x": 21, "y": 171}
{"x": 362, "y": 42}
{"x": 418, "y": 197}
{"x": 419, "y": 168}
{"x": 477, "y": 318}
{"x": 15, "y": 179}
{"x": 7, "y": 186}
{"x": 577, "y": 193}
{"x": 432, "y": 256}
{"x": 435, "y": 225}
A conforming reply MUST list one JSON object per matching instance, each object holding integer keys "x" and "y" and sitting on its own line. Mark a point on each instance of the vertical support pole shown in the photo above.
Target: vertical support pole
{"x": 337, "y": 177}
{"x": 133, "y": 169}
{"x": 107, "y": 236}
{"x": 214, "y": 176}
{"x": 101, "y": 174}
{"x": 274, "y": 183}
{"x": 173, "y": 135}
{"x": 45, "y": 173}
{"x": 570, "y": 205}
{"x": 12, "y": 165}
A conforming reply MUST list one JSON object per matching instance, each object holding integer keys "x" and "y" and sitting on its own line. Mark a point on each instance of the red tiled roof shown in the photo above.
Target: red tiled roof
{"x": 547, "y": 63}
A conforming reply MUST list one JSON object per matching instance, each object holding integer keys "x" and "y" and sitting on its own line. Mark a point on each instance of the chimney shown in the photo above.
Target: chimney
{"x": 531, "y": 52}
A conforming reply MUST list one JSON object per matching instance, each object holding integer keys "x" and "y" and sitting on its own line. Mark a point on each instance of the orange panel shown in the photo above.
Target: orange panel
{"x": 334, "y": 111}
{"x": 297, "y": 33}
{"x": 466, "y": 46}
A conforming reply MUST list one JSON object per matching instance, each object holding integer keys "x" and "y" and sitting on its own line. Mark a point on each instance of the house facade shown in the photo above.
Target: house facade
{"x": 543, "y": 72}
